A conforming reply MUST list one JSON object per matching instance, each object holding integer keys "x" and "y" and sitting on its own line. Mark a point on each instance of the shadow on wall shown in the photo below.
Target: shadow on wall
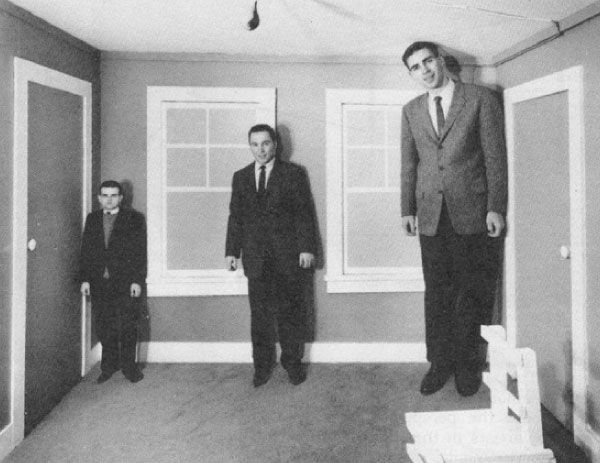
{"x": 141, "y": 304}
{"x": 285, "y": 152}
{"x": 593, "y": 413}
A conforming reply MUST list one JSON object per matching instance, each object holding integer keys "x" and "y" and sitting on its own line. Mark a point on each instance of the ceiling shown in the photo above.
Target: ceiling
{"x": 475, "y": 30}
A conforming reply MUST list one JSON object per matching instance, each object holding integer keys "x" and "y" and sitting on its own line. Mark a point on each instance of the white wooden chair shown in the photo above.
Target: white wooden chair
{"x": 510, "y": 431}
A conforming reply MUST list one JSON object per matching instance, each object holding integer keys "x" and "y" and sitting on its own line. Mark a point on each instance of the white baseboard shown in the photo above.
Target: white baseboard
{"x": 319, "y": 352}
{"x": 6, "y": 441}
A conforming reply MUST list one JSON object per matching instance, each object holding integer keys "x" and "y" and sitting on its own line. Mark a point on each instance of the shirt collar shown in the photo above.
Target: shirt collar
{"x": 445, "y": 92}
{"x": 268, "y": 165}
{"x": 114, "y": 211}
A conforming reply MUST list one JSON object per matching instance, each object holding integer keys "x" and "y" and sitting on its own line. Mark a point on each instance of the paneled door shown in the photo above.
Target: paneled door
{"x": 545, "y": 249}
{"x": 50, "y": 325}
{"x": 53, "y": 319}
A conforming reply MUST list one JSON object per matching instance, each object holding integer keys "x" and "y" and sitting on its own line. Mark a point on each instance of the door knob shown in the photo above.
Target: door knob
{"x": 565, "y": 252}
{"x": 32, "y": 244}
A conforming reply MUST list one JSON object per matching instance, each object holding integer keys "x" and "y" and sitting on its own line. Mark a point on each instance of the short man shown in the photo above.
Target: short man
{"x": 271, "y": 225}
{"x": 454, "y": 194}
{"x": 113, "y": 270}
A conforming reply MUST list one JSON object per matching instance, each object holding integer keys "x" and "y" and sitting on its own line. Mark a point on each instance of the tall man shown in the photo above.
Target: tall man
{"x": 113, "y": 270}
{"x": 454, "y": 194}
{"x": 271, "y": 226}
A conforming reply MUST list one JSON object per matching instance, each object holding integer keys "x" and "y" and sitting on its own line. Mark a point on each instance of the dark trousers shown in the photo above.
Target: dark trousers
{"x": 460, "y": 273}
{"x": 115, "y": 316}
{"x": 276, "y": 300}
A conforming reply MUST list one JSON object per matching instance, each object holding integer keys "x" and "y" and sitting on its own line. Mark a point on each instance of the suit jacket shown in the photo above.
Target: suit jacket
{"x": 465, "y": 166}
{"x": 125, "y": 258}
{"x": 282, "y": 226}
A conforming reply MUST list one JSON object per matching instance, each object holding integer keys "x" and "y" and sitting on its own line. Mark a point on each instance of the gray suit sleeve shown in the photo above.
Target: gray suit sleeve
{"x": 409, "y": 158}
{"x": 233, "y": 243}
{"x": 491, "y": 130}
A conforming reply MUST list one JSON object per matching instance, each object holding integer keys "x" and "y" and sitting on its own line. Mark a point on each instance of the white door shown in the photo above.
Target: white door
{"x": 25, "y": 74}
{"x": 545, "y": 247}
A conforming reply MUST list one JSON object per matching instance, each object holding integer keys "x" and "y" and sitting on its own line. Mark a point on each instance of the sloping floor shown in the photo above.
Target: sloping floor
{"x": 211, "y": 413}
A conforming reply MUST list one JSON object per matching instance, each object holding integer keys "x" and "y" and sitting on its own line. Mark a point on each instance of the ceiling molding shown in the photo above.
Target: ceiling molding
{"x": 548, "y": 34}
{"x": 526, "y": 45}
{"x": 580, "y": 16}
{"x": 243, "y": 58}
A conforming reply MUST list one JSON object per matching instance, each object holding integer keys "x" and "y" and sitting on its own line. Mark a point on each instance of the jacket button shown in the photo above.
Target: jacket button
{"x": 441, "y": 167}
{"x": 439, "y": 146}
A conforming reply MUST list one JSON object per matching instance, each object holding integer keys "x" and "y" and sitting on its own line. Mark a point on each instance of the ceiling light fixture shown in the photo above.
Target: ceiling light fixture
{"x": 255, "y": 21}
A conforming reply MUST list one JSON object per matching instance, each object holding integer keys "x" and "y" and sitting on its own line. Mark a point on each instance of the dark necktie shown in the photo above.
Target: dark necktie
{"x": 439, "y": 114}
{"x": 108, "y": 222}
{"x": 262, "y": 178}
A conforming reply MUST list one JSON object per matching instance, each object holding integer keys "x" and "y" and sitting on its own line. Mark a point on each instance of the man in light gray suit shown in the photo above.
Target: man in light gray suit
{"x": 454, "y": 195}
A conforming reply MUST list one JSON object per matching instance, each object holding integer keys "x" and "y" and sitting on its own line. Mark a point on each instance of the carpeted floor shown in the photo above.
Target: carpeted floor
{"x": 211, "y": 413}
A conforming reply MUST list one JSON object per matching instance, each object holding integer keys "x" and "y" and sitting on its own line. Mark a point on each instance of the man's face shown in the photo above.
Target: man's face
{"x": 426, "y": 69}
{"x": 109, "y": 198}
{"x": 262, "y": 147}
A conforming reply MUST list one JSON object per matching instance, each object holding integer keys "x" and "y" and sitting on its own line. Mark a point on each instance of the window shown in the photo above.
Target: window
{"x": 366, "y": 248}
{"x": 197, "y": 139}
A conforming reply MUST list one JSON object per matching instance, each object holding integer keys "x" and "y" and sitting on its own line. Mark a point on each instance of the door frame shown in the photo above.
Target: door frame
{"x": 25, "y": 72}
{"x": 570, "y": 81}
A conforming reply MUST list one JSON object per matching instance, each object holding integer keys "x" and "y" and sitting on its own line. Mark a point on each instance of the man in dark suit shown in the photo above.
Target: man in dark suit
{"x": 113, "y": 270}
{"x": 271, "y": 226}
{"x": 454, "y": 194}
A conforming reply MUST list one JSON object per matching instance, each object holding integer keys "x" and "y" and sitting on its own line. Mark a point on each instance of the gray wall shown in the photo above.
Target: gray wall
{"x": 579, "y": 46}
{"x": 25, "y": 36}
{"x": 301, "y": 110}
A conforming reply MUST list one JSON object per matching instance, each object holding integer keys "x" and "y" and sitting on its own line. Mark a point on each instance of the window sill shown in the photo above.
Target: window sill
{"x": 235, "y": 285}
{"x": 375, "y": 283}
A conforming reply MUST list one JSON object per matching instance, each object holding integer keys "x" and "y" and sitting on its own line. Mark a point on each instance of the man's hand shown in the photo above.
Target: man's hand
{"x": 409, "y": 225}
{"x": 231, "y": 263}
{"x": 306, "y": 259}
{"x": 135, "y": 290}
{"x": 495, "y": 224}
{"x": 85, "y": 288}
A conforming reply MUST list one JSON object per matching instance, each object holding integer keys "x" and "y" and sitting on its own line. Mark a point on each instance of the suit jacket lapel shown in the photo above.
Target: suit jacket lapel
{"x": 249, "y": 184}
{"x": 425, "y": 117}
{"x": 458, "y": 103}
{"x": 116, "y": 227}
{"x": 274, "y": 183}
{"x": 275, "y": 176}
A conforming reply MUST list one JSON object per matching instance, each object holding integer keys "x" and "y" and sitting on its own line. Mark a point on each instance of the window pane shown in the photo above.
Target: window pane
{"x": 393, "y": 154}
{"x": 365, "y": 167}
{"x": 224, "y": 162}
{"x": 394, "y": 119}
{"x": 230, "y": 126}
{"x": 196, "y": 229}
{"x": 186, "y": 167}
{"x": 186, "y": 125}
{"x": 364, "y": 127}
{"x": 375, "y": 237}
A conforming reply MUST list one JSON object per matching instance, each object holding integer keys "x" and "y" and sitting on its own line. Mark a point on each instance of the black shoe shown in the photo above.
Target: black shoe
{"x": 435, "y": 378}
{"x": 104, "y": 376}
{"x": 134, "y": 375}
{"x": 296, "y": 375}
{"x": 467, "y": 380}
{"x": 261, "y": 377}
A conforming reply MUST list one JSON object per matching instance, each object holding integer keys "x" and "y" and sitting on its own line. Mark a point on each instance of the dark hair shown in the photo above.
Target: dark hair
{"x": 416, "y": 46}
{"x": 263, "y": 128}
{"x": 110, "y": 184}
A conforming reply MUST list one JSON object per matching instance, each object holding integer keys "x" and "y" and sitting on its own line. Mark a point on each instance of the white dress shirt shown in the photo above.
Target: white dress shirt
{"x": 269, "y": 168}
{"x": 446, "y": 93}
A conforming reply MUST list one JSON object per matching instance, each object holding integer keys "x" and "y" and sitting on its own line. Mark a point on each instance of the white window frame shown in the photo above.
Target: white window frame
{"x": 372, "y": 279}
{"x": 207, "y": 282}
